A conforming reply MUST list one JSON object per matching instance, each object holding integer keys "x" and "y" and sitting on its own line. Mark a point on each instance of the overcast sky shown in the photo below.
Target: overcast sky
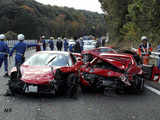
{"x": 91, "y": 5}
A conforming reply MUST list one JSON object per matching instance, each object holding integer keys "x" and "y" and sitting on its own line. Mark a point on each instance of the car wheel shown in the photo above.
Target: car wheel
{"x": 72, "y": 86}
{"x": 137, "y": 86}
{"x": 140, "y": 85}
{"x": 120, "y": 88}
{"x": 11, "y": 85}
{"x": 15, "y": 85}
{"x": 84, "y": 89}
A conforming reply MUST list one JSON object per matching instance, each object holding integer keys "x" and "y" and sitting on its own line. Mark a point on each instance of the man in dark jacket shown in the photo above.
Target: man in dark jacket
{"x": 77, "y": 48}
{"x": 59, "y": 44}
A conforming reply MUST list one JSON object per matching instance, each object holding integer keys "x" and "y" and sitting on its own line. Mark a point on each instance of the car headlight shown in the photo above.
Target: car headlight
{"x": 124, "y": 79}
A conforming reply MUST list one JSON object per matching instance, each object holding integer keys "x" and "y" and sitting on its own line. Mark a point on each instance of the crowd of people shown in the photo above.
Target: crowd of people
{"x": 41, "y": 44}
{"x": 59, "y": 44}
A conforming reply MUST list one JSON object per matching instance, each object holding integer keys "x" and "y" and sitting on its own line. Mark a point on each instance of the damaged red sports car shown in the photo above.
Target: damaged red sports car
{"x": 106, "y": 71}
{"x": 46, "y": 72}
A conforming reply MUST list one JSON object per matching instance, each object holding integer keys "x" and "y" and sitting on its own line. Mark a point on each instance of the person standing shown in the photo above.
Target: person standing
{"x": 71, "y": 48}
{"x": 20, "y": 48}
{"x": 65, "y": 44}
{"x": 158, "y": 49}
{"x": 38, "y": 48}
{"x": 145, "y": 50}
{"x": 59, "y": 44}
{"x": 103, "y": 42}
{"x": 4, "y": 51}
{"x": 77, "y": 48}
{"x": 51, "y": 43}
{"x": 81, "y": 43}
{"x": 43, "y": 42}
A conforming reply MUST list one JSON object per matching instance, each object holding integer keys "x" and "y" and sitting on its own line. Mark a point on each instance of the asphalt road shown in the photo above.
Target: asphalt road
{"x": 88, "y": 106}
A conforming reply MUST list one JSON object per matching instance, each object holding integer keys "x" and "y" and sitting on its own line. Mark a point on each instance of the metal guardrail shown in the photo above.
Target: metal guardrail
{"x": 11, "y": 43}
{"x": 154, "y": 55}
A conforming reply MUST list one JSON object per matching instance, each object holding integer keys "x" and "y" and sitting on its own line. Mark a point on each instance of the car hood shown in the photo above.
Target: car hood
{"x": 120, "y": 61}
{"x": 37, "y": 74}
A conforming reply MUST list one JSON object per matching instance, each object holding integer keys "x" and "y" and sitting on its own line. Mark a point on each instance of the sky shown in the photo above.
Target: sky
{"x": 91, "y": 5}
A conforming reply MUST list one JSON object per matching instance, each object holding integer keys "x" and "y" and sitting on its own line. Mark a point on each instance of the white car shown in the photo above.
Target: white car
{"x": 71, "y": 42}
{"x": 88, "y": 45}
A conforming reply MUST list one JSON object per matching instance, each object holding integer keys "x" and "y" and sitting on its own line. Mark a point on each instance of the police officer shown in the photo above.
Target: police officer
{"x": 38, "y": 48}
{"x": 4, "y": 51}
{"x": 51, "y": 43}
{"x": 158, "y": 50}
{"x": 43, "y": 43}
{"x": 20, "y": 48}
{"x": 145, "y": 50}
{"x": 59, "y": 44}
{"x": 103, "y": 41}
{"x": 71, "y": 47}
{"x": 77, "y": 48}
{"x": 81, "y": 43}
{"x": 65, "y": 44}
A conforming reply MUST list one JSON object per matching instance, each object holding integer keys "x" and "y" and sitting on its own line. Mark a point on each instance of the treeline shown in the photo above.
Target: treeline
{"x": 130, "y": 19}
{"x": 34, "y": 19}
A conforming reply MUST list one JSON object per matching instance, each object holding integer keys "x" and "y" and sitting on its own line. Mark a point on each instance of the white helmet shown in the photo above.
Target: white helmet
{"x": 2, "y": 36}
{"x": 20, "y": 37}
{"x": 51, "y": 38}
{"x": 144, "y": 38}
{"x": 43, "y": 37}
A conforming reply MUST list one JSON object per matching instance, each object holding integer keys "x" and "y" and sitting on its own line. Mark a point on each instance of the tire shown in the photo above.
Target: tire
{"x": 72, "y": 86}
{"x": 15, "y": 85}
{"x": 120, "y": 89}
{"x": 140, "y": 86}
{"x": 84, "y": 89}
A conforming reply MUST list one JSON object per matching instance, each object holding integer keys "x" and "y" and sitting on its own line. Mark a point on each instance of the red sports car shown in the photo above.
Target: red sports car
{"x": 46, "y": 72}
{"x": 87, "y": 53}
{"x": 112, "y": 71}
{"x": 100, "y": 50}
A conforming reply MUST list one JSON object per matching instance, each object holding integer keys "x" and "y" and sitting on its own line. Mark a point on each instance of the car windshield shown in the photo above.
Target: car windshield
{"x": 87, "y": 43}
{"x": 52, "y": 59}
{"x": 106, "y": 50}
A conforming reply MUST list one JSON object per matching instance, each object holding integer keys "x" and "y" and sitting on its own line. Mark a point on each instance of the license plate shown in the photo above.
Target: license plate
{"x": 32, "y": 88}
{"x": 106, "y": 83}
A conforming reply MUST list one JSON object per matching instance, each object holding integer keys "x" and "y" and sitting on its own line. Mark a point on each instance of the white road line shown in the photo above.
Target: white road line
{"x": 152, "y": 89}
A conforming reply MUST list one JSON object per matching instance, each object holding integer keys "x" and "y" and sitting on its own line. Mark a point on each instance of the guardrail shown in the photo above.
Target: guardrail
{"x": 154, "y": 55}
{"x": 11, "y": 43}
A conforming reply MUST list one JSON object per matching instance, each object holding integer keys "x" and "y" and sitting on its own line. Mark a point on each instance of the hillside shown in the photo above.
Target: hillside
{"x": 34, "y": 19}
{"x": 128, "y": 20}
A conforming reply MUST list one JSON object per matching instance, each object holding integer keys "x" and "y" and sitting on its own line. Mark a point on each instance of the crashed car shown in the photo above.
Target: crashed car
{"x": 87, "y": 54}
{"x": 119, "y": 72}
{"x": 46, "y": 72}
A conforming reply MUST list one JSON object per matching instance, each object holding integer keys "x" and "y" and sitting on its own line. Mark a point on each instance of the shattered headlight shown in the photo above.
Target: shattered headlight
{"x": 124, "y": 79}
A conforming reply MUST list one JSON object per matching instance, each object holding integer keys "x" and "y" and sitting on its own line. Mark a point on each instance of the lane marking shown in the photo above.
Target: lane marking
{"x": 152, "y": 89}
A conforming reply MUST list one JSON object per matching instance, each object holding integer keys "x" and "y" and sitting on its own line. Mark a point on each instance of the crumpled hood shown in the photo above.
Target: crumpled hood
{"x": 37, "y": 74}
{"x": 119, "y": 64}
